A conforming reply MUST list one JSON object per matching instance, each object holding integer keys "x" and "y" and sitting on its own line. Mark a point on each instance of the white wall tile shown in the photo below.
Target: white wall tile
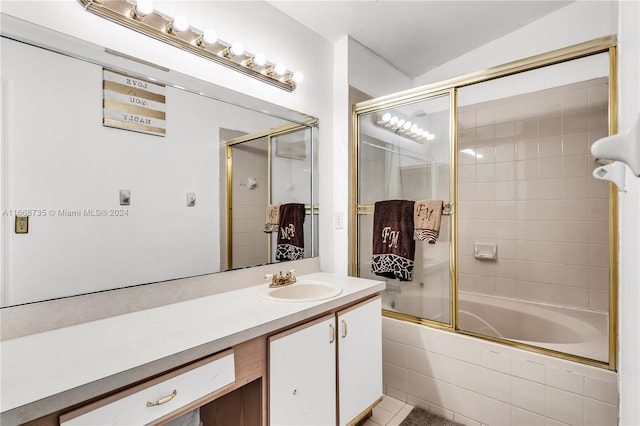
{"x": 564, "y": 406}
{"x": 527, "y": 369}
{"x": 496, "y": 361}
{"x": 565, "y": 380}
{"x": 601, "y": 390}
{"x": 431, "y": 390}
{"x": 496, "y": 385}
{"x": 394, "y": 352}
{"x": 598, "y": 413}
{"x": 467, "y": 403}
{"x": 528, "y": 395}
{"x": 522, "y": 417}
{"x": 496, "y": 413}
{"x": 395, "y": 376}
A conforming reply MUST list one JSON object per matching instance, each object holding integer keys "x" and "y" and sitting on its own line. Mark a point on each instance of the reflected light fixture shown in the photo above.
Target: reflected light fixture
{"x": 142, "y": 17}
{"x": 401, "y": 126}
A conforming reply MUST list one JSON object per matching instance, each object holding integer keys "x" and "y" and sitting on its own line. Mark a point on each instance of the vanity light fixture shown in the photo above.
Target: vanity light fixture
{"x": 208, "y": 37}
{"x": 403, "y": 127}
{"x": 141, "y": 16}
{"x": 178, "y": 24}
{"x": 141, "y": 9}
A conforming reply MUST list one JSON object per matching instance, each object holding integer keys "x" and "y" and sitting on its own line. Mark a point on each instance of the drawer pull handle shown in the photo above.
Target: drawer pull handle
{"x": 163, "y": 400}
{"x": 332, "y": 333}
{"x": 344, "y": 329}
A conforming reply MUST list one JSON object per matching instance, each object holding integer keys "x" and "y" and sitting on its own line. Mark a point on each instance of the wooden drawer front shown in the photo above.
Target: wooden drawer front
{"x": 133, "y": 410}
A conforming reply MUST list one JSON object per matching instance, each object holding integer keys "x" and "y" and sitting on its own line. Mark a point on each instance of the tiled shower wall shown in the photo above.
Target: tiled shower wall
{"x": 525, "y": 183}
{"x": 250, "y": 243}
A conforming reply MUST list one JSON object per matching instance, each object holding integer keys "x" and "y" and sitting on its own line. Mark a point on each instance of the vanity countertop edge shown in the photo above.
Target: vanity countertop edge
{"x": 48, "y": 371}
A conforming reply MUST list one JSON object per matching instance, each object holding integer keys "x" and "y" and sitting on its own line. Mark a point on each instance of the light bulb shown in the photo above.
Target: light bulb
{"x": 142, "y": 8}
{"x": 420, "y": 132}
{"x": 259, "y": 60}
{"x": 279, "y": 69}
{"x": 386, "y": 117}
{"x": 208, "y": 37}
{"x": 407, "y": 125}
{"x": 430, "y": 136}
{"x": 236, "y": 49}
{"x": 401, "y": 122}
{"x": 180, "y": 23}
{"x": 393, "y": 120}
{"x": 414, "y": 129}
{"x": 297, "y": 77}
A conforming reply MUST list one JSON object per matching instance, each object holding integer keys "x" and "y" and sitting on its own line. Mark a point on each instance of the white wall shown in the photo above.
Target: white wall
{"x": 373, "y": 75}
{"x": 578, "y": 22}
{"x": 629, "y": 224}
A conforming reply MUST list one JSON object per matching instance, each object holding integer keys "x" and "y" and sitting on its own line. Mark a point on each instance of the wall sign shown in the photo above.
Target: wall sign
{"x": 132, "y": 103}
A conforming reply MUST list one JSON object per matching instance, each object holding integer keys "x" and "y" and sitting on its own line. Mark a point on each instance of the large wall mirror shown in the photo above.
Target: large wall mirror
{"x": 110, "y": 206}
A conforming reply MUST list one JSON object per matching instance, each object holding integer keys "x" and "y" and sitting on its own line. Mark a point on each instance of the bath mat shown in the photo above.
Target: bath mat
{"x": 420, "y": 417}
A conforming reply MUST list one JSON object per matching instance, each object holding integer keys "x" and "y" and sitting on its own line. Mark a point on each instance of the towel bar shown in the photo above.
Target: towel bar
{"x": 367, "y": 208}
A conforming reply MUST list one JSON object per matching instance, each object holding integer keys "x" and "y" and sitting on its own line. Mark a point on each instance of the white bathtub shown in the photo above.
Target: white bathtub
{"x": 577, "y": 332}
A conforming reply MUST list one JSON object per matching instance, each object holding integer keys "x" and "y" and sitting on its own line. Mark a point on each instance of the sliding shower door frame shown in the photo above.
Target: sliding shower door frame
{"x": 269, "y": 135}
{"x": 450, "y": 87}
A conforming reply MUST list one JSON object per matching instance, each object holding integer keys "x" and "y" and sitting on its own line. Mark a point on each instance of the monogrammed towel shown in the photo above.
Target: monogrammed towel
{"x": 426, "y": 220}
{"x": 291, "y": 232}
{"x": 393, "y": 243}
{"x": 272, "y": 221}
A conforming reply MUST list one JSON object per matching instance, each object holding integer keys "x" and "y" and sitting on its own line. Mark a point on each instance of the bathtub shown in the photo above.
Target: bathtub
{"x": 573, "y": 331}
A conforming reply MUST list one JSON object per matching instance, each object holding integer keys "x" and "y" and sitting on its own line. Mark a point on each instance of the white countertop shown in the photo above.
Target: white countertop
{"x": 45, "y": 372}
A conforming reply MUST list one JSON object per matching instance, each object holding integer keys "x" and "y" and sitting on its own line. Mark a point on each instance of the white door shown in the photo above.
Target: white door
{"x": 359, "y": 358}
{"x": 302, "y": 375}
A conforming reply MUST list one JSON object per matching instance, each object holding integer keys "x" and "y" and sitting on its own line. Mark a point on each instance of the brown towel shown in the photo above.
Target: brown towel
{"x": 291, "y": 234}
{"x": 393, "y": 244}
{"x": 426, "y": 218}
{"x": 273, "y": 218}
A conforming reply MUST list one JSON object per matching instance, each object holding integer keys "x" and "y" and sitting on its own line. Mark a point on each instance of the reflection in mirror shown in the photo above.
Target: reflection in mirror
{"x": 269, "y": 168}
{"x": 72, "y": 175}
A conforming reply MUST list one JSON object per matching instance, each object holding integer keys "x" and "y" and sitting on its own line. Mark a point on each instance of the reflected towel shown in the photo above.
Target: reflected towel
{"x": 273, "y": 218}
{"x": 393, "y": 245}
{"x": 426, "y": 218}
{"x": 291, "y": 233}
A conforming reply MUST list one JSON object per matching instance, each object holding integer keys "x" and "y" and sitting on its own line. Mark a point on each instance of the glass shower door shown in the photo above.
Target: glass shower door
{"x": 404, "y": 154}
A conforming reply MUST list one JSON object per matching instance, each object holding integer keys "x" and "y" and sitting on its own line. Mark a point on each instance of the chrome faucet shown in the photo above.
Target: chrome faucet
{"x": 280, "y": 280}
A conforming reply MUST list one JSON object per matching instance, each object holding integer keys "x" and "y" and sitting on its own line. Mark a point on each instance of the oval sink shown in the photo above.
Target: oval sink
{"x": 301, "y": 291}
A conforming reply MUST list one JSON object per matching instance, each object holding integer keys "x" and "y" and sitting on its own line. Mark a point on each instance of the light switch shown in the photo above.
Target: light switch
{"x": 125, "y": 197}
{"x": 22, "y": 224}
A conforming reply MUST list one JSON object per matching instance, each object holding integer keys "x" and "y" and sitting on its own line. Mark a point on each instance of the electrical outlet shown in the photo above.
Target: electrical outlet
{"x": 339, "y": 220}
{"x": 22, "y": 224}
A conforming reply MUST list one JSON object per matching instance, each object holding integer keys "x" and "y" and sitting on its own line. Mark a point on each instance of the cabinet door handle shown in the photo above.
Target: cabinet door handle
{"x": 332, "y": 333}
{"x": 344, "y": 329}
{"x": 163, "y": 400}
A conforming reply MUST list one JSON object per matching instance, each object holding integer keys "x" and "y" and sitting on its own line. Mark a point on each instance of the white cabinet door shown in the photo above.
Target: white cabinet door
{"x": 359, "y": 358}
{"x": 302, "y": 375}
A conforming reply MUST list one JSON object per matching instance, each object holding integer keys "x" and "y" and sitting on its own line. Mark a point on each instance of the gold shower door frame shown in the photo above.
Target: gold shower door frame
{"x": 450, "y": 87}
{"x": 269, "y": 134}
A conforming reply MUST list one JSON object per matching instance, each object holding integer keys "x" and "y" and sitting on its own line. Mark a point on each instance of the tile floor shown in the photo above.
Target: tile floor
{"x": 389, "y": 412}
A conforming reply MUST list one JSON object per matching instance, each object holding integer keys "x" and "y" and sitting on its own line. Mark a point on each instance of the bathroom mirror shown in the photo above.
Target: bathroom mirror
{"x": 111, "y": 206}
